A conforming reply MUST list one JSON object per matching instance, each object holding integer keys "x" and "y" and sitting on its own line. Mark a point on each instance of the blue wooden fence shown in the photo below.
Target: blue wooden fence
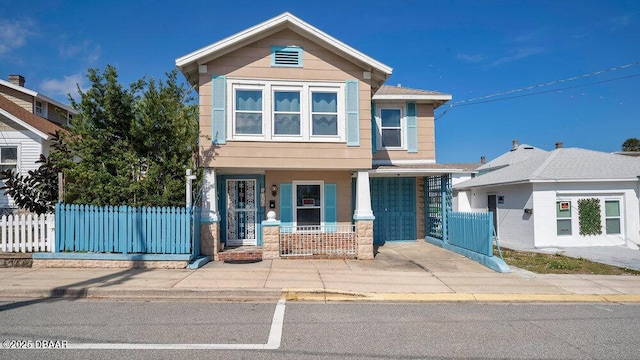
{"x": 127, "y": 230}
{"x": 471, "y": 231}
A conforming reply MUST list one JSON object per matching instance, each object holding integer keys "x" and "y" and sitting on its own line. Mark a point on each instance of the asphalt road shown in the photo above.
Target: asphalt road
{"x": 321, "y": 331}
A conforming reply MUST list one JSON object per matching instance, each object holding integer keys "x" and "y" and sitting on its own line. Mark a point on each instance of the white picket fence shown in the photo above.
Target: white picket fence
{"x": 27, "y": 233}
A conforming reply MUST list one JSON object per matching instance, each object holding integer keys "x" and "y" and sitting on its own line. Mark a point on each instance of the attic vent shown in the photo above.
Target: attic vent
{"x": 286, "y": 56}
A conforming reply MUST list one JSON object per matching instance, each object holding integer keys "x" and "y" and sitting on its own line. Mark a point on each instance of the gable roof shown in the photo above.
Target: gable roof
{"x": 188, "y": 64}
{"x": 564, "y": 164}
{"x": 36, "y": 94}
{"x": 38, "y": 125}
{"x": 387, "y": 92}
{"x": 513, "y": 156}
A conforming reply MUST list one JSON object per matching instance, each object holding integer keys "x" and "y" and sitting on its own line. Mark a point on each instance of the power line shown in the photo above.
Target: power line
{"x": 476, "y": 100}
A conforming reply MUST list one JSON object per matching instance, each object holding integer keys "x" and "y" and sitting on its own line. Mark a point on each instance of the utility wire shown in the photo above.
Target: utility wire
{"x": 477, "y": 100}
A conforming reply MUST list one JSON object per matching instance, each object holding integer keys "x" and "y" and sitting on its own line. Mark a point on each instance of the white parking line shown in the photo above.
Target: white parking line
{"x": 273, "y": 343}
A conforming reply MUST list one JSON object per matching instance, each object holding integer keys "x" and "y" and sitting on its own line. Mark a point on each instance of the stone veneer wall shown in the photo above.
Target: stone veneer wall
{"x": 364, "y": 234}
{"x": 210, "y": 240}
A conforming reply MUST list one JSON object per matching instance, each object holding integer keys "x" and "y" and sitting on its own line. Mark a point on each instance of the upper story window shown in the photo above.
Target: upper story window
{"x": 287, "y": 111}
{"x": 38, "y": 108}
{"x": 8, "y": 158}
{"x": 391, "y": 128}
{"x": 287, "y": 56}
{"x": 248, "y": 112}
{"x": 324, "y": 113}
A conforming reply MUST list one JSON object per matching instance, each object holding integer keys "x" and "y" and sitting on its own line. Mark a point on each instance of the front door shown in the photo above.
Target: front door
{"x": 241, "y": 212}
{"x": 492, "y": 205}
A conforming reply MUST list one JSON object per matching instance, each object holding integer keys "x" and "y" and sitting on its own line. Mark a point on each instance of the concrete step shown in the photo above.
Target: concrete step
{"x": 241, "y": 254}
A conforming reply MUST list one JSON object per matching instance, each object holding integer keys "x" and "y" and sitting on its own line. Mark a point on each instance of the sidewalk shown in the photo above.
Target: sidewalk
{"x": 401, "y": 272}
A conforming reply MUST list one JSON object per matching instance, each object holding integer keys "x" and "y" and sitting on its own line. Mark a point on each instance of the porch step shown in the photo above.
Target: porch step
{"x": 8, "y": 260}
{"x": 241, "y": 254}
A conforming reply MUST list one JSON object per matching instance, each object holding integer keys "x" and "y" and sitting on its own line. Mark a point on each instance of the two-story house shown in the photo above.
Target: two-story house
{"x": 28, "y": 121}
{"x": 294, "y": 121}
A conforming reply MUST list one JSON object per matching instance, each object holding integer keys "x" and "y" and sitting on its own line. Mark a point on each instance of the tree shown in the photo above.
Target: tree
{"x": 127, "y": 145}
{"x": 631, "y": 144}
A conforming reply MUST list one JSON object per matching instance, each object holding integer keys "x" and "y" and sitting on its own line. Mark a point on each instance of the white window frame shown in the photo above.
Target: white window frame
{"x": 43, "y": 107}
{"x": 570, "y": 218}
{"x": 403, "y": 126}
{"x": 17, "y": 164}
{"x": 620, "y": 217}
{"x": 283, "y": 88}
{"x": 295, "y": 200}
{"x": 339, "y": 96}
{"x": 268, "y": 87}
{"x": 232, "y": 106}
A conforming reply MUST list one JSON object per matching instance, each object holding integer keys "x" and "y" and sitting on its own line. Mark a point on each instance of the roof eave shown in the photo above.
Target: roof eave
{"x": 22, "y": 123}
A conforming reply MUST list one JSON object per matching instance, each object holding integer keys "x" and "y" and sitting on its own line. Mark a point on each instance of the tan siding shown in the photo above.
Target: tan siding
{"x": 254, "y": 62}
{"x": 23, "y": 100}
{"x": 8, "y": 125}
{"x": 341, "y": 178}
{"x": 426, "y": 139}
{"x": 56, "y": 114}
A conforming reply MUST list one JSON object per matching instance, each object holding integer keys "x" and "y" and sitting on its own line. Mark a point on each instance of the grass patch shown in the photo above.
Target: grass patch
{"x": 559, "y": 264}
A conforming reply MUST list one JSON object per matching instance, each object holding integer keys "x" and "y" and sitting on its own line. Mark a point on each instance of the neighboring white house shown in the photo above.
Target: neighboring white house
{"x": 28, "y": 121}
{"x": 536, "y": 200}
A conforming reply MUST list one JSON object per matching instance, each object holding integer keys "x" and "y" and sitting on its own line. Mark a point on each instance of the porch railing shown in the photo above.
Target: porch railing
{"x": 318, "y": 241}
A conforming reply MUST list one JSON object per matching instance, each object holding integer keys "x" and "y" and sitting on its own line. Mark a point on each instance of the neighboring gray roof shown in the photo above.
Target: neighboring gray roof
{"x": 564, "y": 164}
{"x": 513, "y": 156}
{"x": 386, "y": 92}
{"x": 398, "y": 90}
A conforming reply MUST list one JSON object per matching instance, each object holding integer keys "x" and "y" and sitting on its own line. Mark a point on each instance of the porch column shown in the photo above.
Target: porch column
{"x": 363, "y": 216}
{"x": 210, "y": 228}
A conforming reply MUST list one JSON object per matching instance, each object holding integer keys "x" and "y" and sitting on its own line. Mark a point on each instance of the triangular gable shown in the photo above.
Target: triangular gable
{"x": 34, "y": 123}
{"x": 188, "y": 64}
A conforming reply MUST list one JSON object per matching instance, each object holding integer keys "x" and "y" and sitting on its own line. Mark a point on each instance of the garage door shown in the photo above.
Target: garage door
{"x": 394, "y": 205}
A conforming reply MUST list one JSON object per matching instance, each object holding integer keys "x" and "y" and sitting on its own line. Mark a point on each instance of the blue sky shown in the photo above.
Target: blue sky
{"x": 469, "y": 49}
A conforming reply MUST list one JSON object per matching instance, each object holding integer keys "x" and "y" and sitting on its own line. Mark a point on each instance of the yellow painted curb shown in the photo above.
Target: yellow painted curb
{"x": 622, "y": 298}
{"x": 426, "y": 297}
{"x": 540, "y": 297}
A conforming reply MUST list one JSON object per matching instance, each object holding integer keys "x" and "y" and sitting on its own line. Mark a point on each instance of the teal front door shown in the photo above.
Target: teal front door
{"x": 393, "y": 201}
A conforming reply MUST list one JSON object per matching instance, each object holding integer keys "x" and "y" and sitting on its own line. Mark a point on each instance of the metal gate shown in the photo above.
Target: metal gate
{"x": 241, "y": 212}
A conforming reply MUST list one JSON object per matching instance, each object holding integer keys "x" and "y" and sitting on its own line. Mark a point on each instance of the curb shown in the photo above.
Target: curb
{"x": 303, "y": 295}
{"x": 342, "y": 296}
{"x": 248, "y": 295}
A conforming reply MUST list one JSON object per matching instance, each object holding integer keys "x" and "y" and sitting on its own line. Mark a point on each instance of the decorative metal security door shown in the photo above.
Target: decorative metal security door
{"x": 241, "y": 212}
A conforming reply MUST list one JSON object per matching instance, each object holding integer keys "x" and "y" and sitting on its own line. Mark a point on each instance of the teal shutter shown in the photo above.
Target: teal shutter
{"x": 218, "y": 109}
{"x": 286, "y": 204}
{"x": 412, "y": 128}
{"x": 330, "y": 207}
{"x": 353, "y": 113}
{"x": 374, "y": 128}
